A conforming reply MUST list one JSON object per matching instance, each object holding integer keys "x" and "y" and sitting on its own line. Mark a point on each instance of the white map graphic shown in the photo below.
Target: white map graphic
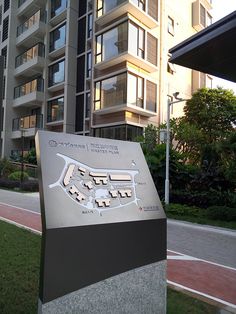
{"x": 97, "y": 189}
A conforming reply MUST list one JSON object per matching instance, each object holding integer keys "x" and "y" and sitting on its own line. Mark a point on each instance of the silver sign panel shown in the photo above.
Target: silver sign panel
{"x": 90, "y": 181}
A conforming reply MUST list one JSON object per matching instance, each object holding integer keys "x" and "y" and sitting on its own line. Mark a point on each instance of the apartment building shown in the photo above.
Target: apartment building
{"x": 92, "y": 67}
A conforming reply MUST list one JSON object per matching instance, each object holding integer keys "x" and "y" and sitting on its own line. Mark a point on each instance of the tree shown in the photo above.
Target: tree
{"x": 213, "y": 112}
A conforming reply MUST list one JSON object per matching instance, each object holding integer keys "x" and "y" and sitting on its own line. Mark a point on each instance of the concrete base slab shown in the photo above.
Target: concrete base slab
{"x": 141, "y": 290}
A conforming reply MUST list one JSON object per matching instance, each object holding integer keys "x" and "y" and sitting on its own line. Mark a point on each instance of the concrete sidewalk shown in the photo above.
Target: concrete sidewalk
{"x": 206, "y": 280}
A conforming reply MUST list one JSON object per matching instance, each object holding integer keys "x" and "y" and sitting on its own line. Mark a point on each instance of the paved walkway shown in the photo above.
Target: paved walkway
{"x": 209, "y": 281}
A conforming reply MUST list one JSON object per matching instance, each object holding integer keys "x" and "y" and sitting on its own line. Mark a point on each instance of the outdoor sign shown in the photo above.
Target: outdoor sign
{"x": 101, "y": 214}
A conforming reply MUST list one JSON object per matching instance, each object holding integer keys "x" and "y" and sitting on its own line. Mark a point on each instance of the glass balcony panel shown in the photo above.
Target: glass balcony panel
{"x": 33, "y": 86}
{"x": 32, "y": 121}
{"x": 36, "y": 51}
{"x": 38, "y": 16}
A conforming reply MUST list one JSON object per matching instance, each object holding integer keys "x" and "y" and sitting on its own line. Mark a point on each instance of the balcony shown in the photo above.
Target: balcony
{"x": 29, "y": 94}
{"x": 125, "y": 92}
{"x": 127, "y": 57}
{"x": 29, "y": 125}
{"x": 127, "y": 42}
{"x": 31, "y": 62}
{"x": 32, "y": 31}
{"x": 28, "y": 7}
{"x": 115, "y": 9}
{"x": 126, "y": 107}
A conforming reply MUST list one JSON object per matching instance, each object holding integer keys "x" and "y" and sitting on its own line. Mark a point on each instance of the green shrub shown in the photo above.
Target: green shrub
{"x": 9, "y": 184}
{"x": 30, "y": 186}
{"x": 184, "y": 210}
{"x": 204, "y": 199}
{"x": 16, "y": 176}
{"x": 6, "y": 167}
{"x": 221, "y": 213}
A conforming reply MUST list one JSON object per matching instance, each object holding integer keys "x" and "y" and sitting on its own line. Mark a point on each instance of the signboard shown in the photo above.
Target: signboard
{"x": 97, "y": 200}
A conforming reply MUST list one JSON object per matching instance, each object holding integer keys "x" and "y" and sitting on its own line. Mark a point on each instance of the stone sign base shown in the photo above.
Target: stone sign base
{"x": 141, "y": 290}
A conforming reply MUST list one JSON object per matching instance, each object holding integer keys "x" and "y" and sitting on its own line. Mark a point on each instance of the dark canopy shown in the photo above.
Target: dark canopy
{"x": 212, "y": 50}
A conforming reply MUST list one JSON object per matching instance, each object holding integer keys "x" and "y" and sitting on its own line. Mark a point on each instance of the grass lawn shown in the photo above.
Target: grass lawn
{"x": 19, "y": 273}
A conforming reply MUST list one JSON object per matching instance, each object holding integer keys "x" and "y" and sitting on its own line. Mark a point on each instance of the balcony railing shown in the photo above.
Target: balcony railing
{"x": 20, "y": 2}
{"x": 36, "y": 51}
{"x": 37, "y": 17}
{"x": 32, "y": 121}
{"x": 33, "y": 86}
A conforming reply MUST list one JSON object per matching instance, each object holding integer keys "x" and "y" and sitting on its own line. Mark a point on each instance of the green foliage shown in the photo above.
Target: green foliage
{"x": 213, "y": 112}
{"x": 16, "y": 176}
{"x": 31, "y": 157}
{"x": 183, "y": 210}
{"x": 6, "y": 167}
{"x": 221, "y": 213}
{"x": 204, "y": 199}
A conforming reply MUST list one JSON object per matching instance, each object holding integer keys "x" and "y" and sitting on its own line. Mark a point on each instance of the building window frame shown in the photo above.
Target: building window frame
{"x": 171, "y": 26}
{"x": 59, "y": 113}
{"x": 52, "y": 40}
{"x": 51, "y": 73}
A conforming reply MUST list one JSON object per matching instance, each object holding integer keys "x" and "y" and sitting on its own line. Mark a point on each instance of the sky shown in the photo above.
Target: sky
{"x": 220, "y": 9}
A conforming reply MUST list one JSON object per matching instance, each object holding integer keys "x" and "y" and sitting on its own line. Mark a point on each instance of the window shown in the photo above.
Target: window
{"x": 152, "y": 49}
{"x": 87, "y": 105}
{"x": 135, "y": 88}
{"x": 171, "y": 25}
{"x": 104, "y": 6}
{"x": 82, "y": 7}
{"x": 58, "y": 38}
{"x": 170, "y": 68}
{"x": 151, "y": 96}
{"x": 81, "y": 35}
{"x": 123, "y": 132}
{"x": 56, "y": 73}
{"x": 6, "y": 5}
{"x": 79, "y": 113}
{"x": 89, "y": 64}
{"x": 208, "y": 81}
{"x": 202, "y": 80}
{"x": 202, "y": 15}
{"x": 57, "y": 6}
{"x": 0, "y": 15}
{"x": 5, "y": 29}
{"x": 140, "y": 4}
{"x": 80, "y": 74}
{"x": 55, "y": 110}
{"x": 136, "y": 40}
{"x": 153, "y": 9}
{"x": 112, "y": 43}
{"x": 111, "y": 92}
{"x": 3, "y": 87}
{"x": 208, "y": 19}
{"x": 90, "y": 25}
{"x": 4, "y": 54}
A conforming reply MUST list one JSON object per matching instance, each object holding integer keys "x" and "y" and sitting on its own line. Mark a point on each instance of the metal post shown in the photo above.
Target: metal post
{"x": 22, "y": 158}
{"x": 167, "y": 182}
